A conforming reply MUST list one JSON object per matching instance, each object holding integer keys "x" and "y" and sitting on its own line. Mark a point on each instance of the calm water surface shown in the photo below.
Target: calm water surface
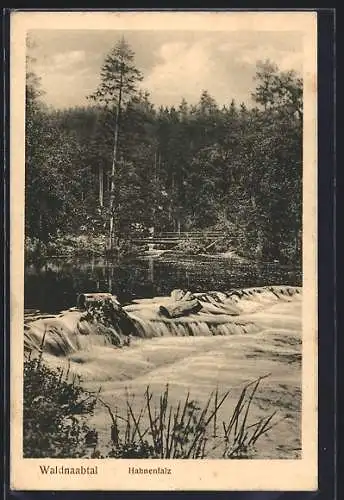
{"x": 53, "y": 285}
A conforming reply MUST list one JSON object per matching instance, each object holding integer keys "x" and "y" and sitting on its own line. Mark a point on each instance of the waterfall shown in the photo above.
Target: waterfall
{"x": 223, "y": 314}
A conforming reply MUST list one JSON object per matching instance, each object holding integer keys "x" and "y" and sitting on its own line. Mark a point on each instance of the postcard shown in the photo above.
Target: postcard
{"x": 163, "y": 202}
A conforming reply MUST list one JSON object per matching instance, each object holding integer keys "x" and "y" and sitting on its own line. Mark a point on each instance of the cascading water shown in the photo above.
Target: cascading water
{"x": 221, "y": 314}
{"x": 234, "y": 338}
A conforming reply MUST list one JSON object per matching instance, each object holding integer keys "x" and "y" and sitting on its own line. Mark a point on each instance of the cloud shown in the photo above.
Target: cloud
{"x": 60, "y": 62}
{"x": 283, "y": 49}
{"x": 225, "y": 69}
{"x": 182, "y": 70}
{"x": 285, "y": 60}
{"x": 230, "y": 46}
{"x": 67, "y": 89}
{"x": 175, "y": 64}
{"x": 68, "y": 59}
{"x": 66, "y": 76}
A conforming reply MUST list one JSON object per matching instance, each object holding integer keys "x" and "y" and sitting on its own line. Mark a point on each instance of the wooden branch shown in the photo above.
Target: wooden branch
{"x": 180, "y": 308}
{"x": 178, "y": 294}
{"x": 213, "y": 243}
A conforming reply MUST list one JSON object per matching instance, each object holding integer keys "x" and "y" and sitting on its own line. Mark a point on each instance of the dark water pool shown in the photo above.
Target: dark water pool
{"x": 53, "y": 285}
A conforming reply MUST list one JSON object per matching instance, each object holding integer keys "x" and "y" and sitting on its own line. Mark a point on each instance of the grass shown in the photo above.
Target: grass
{"x": 187, "y": 431}
{"x": 239, "y": 437}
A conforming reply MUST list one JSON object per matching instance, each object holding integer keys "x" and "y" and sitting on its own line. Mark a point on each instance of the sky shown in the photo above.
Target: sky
{"x": 175, "y": 64}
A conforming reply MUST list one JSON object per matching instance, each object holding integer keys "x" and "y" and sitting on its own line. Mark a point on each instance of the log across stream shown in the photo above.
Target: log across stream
{"x": 232, "y": 339}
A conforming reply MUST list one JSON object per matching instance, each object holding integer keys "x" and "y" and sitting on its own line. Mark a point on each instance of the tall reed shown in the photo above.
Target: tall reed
{"x": 187, "y": 430}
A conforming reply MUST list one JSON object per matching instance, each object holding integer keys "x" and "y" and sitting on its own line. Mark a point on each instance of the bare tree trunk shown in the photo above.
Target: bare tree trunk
{"x": 101, "y": 185}
{"x": 151, "y": 270}
{"x": 155, "y": 166}
{"x": 114, "y": 162}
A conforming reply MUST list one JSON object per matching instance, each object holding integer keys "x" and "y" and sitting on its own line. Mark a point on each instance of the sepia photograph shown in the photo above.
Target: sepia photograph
{"x": 165, "y": 306}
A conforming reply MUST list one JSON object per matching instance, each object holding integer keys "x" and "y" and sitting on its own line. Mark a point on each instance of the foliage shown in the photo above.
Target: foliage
{"x": 34, "y": 248}
{"x": 55, "y": 411}
{"x": 64, "y": 245}
{"x": 278, "y": 90}
{"x": 189, "y": 247}
{"x": 177, "y": 168}
{"x": 118, "y": 73}
{"x": 119, "y": 78}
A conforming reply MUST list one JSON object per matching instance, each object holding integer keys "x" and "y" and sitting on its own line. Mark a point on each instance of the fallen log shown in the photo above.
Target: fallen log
{"x": 180, "y": 308}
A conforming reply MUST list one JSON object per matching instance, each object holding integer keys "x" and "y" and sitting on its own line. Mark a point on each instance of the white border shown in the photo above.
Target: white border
{"x": 283, "y": 475}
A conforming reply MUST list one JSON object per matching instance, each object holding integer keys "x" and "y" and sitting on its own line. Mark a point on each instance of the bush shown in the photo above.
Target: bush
{"x": 34, "y": 248}
{"x": 190, "y": 247}
{"x": 76, "y": 245}
{"x": 55, "y": 411}
{"x": 126, "y": 248}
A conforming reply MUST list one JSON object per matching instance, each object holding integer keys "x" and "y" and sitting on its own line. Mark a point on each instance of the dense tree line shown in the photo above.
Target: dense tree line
{"x": 189, "y": 167}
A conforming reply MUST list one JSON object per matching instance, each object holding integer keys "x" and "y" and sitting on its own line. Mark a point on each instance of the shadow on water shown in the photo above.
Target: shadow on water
{"x": 53, "y": 285}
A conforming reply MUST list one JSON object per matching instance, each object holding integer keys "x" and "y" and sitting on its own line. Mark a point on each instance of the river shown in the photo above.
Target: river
{"x": 197, "y": 354}
{"x": 53, "y": 285}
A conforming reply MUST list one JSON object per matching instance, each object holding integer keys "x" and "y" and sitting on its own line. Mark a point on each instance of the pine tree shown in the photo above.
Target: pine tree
{"x": 119, "y": 78}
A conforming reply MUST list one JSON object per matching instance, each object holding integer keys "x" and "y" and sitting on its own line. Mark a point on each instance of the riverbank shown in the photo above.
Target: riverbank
{"x": 76, "y": 246}
{"x": 85, "y": 245}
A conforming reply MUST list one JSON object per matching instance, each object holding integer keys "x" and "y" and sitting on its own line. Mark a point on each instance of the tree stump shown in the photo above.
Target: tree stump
{"x": 105, "y": 309}
{"x": 85, "y": 299}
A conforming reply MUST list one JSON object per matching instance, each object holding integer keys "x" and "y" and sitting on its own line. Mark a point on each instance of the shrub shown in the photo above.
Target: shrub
{"x": 34, "y": 248}
{"x": 190, "y": 247}
{"x": 55, "y": 411}
{"x": 126, "y": 248}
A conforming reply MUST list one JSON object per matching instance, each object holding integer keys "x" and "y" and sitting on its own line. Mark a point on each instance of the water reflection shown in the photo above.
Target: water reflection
{"x": 54, "y": 284}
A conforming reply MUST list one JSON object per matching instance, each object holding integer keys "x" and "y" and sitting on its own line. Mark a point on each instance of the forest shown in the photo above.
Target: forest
{"x": 121, "y": 165}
